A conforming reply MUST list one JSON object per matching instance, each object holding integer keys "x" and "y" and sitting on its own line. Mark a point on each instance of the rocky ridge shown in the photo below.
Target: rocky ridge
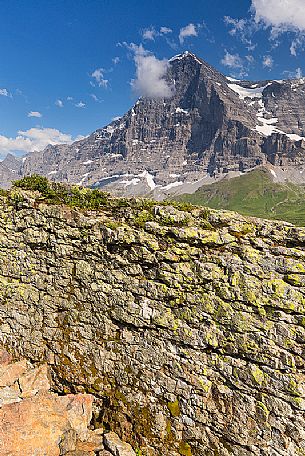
{"x": 185, "y": 324}
{"x": 211, "y": 127}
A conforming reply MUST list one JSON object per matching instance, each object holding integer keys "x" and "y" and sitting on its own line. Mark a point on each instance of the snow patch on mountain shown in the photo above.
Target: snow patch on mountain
{"x": 248, "y": 92}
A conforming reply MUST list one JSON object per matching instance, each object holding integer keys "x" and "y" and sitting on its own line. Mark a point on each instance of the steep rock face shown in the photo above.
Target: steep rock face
{"x": 180, "y": 135}
{"x": 187, "y": 327}
{"x": 10, "y": 170}
{"x": 212, "y": 125}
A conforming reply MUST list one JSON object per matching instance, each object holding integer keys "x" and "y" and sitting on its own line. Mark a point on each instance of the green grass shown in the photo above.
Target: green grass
{"x": 254, "y": 194}
{"x": 84, "y": 197}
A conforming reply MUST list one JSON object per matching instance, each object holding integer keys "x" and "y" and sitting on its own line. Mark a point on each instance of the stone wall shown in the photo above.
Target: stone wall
{"x": 186, "y": 326}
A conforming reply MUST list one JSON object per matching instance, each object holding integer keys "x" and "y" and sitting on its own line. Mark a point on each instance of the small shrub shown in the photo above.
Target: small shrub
{"x": 33, "y": 182}
{"x": 58, "y": 193}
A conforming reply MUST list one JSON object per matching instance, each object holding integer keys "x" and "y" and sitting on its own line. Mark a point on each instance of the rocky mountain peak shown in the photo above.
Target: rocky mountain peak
{"x": 212, "y": 126}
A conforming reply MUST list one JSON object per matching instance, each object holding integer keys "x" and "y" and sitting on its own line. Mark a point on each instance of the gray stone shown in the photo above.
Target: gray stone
{"x": 116, "y": 447}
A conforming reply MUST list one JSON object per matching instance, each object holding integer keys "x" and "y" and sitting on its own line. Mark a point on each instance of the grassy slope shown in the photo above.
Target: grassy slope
{"x": 254, "y": 194}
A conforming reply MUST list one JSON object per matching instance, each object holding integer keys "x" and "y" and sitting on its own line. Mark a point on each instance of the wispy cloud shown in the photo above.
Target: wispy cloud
{"x": 95, "y": 98}
{"x": 34, "y": 114}
{"x": 98, "y": 76}
{"x": 297, "y": 74}
{"x": 80, "y": 104}
{"x": 187, "y": 31}
{"x": 237, "y": 65}
{"x": 232, "y": 60}
{"x": 165, "y": 30}
{"x": 59, "y": 103}
{"x": 4, "y": 93}
{"x": 116, "y": 60}
{"x": 151, "y": 33}
{"x": 242, "y": 29}
{"x": 268, "y": 61}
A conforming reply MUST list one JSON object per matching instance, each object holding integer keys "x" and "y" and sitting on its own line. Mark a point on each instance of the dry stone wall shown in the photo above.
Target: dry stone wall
{"x": 187, "y": 327}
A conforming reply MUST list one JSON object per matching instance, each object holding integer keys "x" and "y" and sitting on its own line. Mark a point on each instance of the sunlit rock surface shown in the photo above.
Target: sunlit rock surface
{"x": 186, "y": 325}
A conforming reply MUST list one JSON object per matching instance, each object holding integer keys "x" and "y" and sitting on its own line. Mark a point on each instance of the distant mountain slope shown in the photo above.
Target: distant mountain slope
{"x": 254, "y": 193}
{"x": 211, "y": 126}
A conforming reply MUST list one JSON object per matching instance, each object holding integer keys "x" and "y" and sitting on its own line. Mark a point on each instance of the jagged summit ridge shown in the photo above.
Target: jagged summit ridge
{"x": 186, "y": 54}
{"x": 212, "y": 126}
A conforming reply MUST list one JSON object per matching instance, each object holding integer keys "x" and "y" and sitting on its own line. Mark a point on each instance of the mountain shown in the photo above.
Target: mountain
{"x": 254, "y": 193}
{"x": 10, "y": 170}
{"x": 211, "y": 127}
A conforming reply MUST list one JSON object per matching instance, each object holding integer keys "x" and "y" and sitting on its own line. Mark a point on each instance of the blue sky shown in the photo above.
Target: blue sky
{"x": 66, "y": 65}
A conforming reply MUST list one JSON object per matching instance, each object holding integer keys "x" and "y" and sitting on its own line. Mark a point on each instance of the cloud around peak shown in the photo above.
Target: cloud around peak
{"x": 151, "y": 72}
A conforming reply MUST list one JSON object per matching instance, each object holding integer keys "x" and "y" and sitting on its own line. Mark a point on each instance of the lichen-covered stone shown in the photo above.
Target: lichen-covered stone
{"x": 188, "y": 329}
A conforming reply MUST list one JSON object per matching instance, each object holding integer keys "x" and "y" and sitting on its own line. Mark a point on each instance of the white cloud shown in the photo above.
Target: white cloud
{"x": 69, "y": 98}
{"x": 281, "y": 15}
{"x": 80, "y": 104}
{"x": 116, "y": 60}
{"x": 232, "y": 60}
{"x": 95, "y": 98}
{"x": 237, "y": 25}
{"x": 4, "y": 93}
{"x": 239, "y": 67}
{"x": 100, "y": 80}
{"x": 297, "y": 43}
{"x": 34, "y": 139}
{"x": 243, "y": 29}
{"x": 150, "y": 74}
{"x": 149, "y": 34}
{"x": 188, "y": 30}
{"x": 250, "y": 59}
{"x": 34, "y": 114}
{"x": 298, "y": 73}
{"x": 165, "y": 30}
{"x": 268, "y": 61}
{"x": 59, "y": 103}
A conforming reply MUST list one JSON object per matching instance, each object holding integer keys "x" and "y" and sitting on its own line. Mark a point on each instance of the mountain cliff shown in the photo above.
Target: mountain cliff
{"x": 185, "y": 324}
{"x": 210, "y": 127}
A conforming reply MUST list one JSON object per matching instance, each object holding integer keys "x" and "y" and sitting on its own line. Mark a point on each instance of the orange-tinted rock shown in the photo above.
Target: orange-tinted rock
{"x": 11, "y": 372}
{"x": 35, "y": 421}
{"x": 34, "y": 380}
{"x": 93, "y": 442}
{"x": 37, "y": 424}
{"x": 5, "y": 357}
